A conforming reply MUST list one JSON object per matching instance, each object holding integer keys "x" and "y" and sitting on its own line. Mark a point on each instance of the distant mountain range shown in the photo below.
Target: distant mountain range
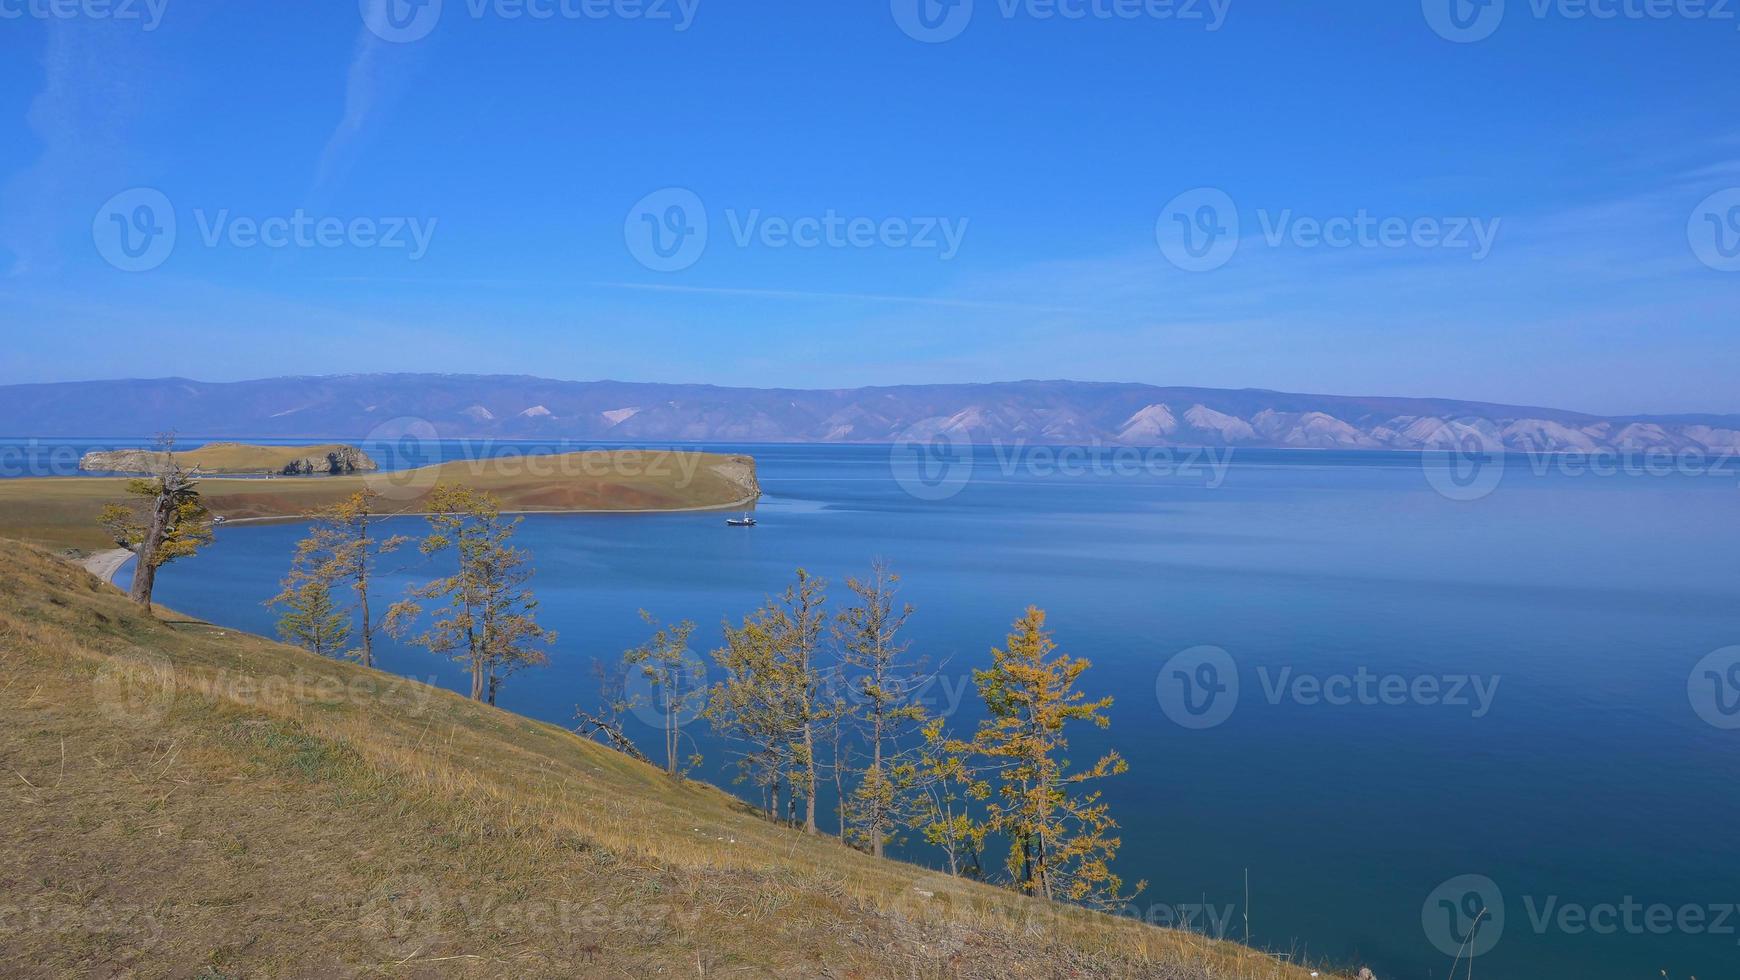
{"x": 1055, "y": 412}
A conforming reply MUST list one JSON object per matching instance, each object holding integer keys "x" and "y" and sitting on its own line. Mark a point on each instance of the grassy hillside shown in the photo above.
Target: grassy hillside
{"x": 233, "y": 458}
{"x": 61, "y": 512}
{"x": 184, "y": 800}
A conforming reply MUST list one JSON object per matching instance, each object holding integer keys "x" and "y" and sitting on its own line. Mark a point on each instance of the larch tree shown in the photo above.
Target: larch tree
{"x": 311, "y": 619}
{"x": 771, "y": 697}
{"x": 485, "y": 617}
{"x": 342, "y": 550}
{"x": 676, "y": 682}
{"x": 165, "y": 522}
{"x": 946, "y": 788}
{"x": 802, "y": 619}
{"x": 751, "y": 706}
{"x": 881, "y": 699}
{"x": 1060, "y": 834}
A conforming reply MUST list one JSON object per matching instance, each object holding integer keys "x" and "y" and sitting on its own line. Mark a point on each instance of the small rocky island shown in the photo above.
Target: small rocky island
{"x": 239, "y": 459}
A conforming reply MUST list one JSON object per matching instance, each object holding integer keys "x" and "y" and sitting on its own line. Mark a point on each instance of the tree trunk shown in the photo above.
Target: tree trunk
{"x": 810, "y": 779}
{"x": 144, "y": 580}
{"x": 876, "y": 798}
{"x": 477, "y": 662}
{"x": 362, "y": 591}
{"x": 839, "y": 789}
{"x": 145, "y": 569}
{"x": 670, "y": 729}
{"x": 1042, "y": 869}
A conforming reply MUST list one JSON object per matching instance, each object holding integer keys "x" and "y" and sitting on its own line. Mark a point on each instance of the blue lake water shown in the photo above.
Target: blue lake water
{"x": 1581, "y": 771}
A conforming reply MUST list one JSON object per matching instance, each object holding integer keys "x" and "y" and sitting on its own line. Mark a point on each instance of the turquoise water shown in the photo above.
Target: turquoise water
{"x": 1573, "y": 770}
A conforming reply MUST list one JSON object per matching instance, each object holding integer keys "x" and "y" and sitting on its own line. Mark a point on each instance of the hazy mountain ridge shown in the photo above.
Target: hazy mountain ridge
{"x": 1057, "y": 412}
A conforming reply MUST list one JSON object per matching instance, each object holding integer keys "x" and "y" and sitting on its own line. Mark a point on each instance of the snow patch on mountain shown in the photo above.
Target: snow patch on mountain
{"x": 1540, "y": 435}
{"x": 1713, "y": 438}
{"x": 1229, "y": 428}
{"x": 1148, "y": 425}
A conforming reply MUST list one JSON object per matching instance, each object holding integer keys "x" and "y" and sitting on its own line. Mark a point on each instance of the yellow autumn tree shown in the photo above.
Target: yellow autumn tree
{"x": 341, "y": 552}
{"x": 882, "y": 705}
{"x": 1061, "y": 834}
{"x": 166, "y": 521}
{"x": 485, "y": 613}
{"x": 771, "y": 699}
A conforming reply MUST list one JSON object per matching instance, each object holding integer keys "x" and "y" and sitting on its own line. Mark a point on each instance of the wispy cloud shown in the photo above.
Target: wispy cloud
{"x": 804, "y": 294}
{"x": 89, "y": 101}
{"x": 378, "y": 75}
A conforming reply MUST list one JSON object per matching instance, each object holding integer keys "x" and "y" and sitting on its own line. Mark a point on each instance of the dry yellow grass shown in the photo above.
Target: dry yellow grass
{"x": 61, "y": 512}
{"x": 184, "y": 800}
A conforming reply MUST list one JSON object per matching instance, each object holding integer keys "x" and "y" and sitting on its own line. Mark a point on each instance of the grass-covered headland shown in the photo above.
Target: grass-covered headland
{"x": 64, "y": 512}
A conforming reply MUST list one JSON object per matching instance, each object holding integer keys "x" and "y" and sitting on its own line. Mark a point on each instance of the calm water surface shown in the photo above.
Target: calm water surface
{"x": 1586, "y": 779}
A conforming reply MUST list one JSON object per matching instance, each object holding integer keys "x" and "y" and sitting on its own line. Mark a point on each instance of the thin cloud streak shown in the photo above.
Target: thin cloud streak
{"x": 800, "y": 294}
{"x": 376, "y": 78}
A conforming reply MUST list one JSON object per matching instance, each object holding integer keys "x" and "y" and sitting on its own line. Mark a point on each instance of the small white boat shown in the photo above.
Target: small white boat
{"x": 744, "y": 521}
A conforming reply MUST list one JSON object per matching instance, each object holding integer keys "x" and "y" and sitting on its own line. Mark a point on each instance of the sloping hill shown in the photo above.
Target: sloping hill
{"x": 184, "y": 800}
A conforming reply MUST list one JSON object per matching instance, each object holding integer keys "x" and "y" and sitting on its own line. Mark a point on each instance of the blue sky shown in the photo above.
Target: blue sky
{"x": 488, "y": 182}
